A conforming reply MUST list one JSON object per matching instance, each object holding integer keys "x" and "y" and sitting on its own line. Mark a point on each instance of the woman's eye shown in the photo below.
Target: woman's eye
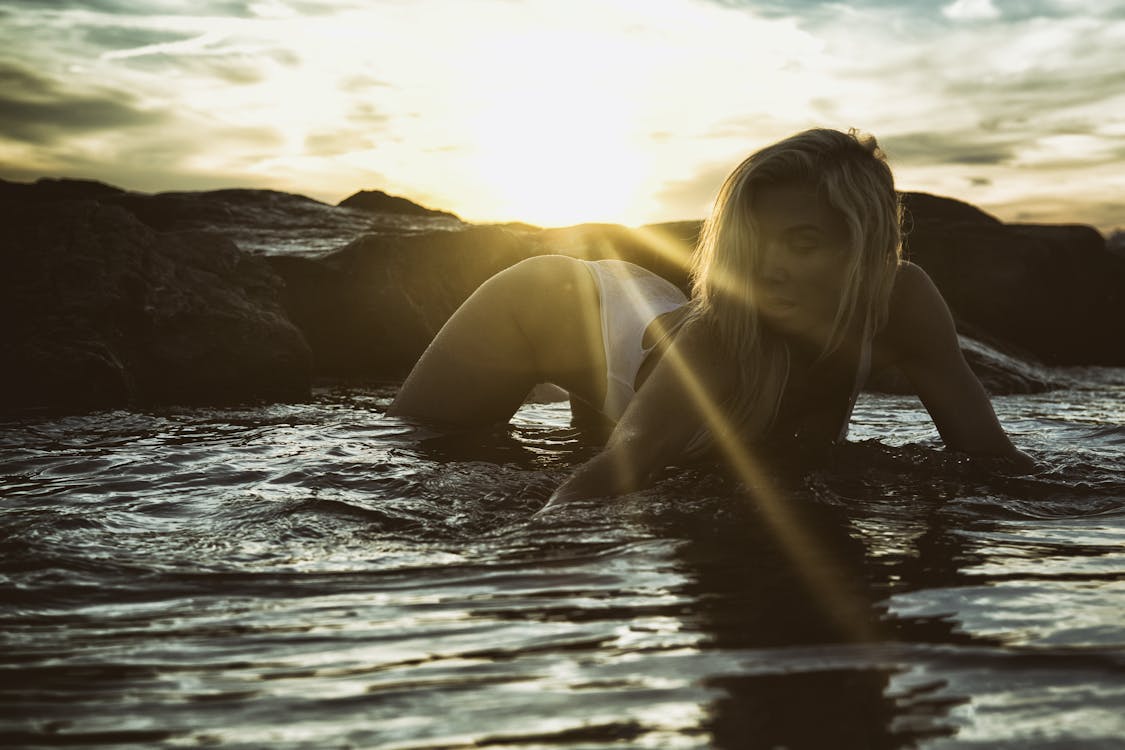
{"x": 804, "y": 244}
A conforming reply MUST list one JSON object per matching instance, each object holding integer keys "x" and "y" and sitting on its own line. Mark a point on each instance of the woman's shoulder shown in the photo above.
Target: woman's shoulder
{"x": 914, "y": 297}
{"x": 697, "y": 348}
{"x": 909, "y": 278}
{"x": 918, "y": 316}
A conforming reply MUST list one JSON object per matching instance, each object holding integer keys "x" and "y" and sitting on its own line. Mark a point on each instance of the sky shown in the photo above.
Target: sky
{"x": 555, "y": 112}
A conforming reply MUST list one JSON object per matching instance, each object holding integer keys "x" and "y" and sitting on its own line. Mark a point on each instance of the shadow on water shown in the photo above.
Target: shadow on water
{"x": 809, "y": 628}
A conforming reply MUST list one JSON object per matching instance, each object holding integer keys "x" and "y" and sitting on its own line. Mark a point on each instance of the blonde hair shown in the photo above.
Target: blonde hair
{"x": 850, "y": 172}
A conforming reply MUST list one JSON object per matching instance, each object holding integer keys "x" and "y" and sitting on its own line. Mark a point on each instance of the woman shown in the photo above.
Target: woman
{"x": 798, "y": 289}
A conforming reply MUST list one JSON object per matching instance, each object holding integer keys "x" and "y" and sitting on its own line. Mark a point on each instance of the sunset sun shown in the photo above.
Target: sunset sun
{"x": 557, "y": 140}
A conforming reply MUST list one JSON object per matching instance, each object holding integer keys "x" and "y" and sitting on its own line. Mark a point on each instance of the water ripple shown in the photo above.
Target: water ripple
{"x": 310, "y": 575}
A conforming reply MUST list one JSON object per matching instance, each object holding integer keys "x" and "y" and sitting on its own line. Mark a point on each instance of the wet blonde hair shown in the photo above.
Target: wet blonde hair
{"x": 850, "y": 172}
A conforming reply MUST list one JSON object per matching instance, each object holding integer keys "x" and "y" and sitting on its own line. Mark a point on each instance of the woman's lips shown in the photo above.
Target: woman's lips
{"x": 779, "y": 302}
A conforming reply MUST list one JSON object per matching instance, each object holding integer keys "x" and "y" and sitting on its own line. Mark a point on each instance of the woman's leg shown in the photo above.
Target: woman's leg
{"x": 537, "y": 321}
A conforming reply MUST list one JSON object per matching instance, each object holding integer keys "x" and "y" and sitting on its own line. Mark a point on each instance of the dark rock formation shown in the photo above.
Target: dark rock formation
{"x": 114, "y": 297}
{"x": 376, "y": 201}
{"x": 259, "y": 221}
{"x": 102, "y": 311}
{"x": 1115, "y": 243}
{"x": 269, "y": 222}
{"x": 1054, "y": 291}
{"x": 372, "y": 307}
{"x": 265, "y": 222}
{"x": 399, "y": 292}
{"x": 47, "y": 190}
{"x": 1000, "y": 373}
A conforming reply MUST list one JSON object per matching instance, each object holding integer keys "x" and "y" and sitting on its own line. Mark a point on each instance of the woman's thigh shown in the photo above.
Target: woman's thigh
{"x": 537, "y": 321}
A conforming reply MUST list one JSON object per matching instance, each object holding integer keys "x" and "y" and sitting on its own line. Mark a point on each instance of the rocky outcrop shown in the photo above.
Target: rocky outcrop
{"x": 1055, "y": 291}
{"x": 1000, "y": 373}
{"x": 49, "y": 190}
{"x": 378, "y": 202}
{"x": 265, "y": 222}
{"x": 115, "y": 297}
{"x": 103, "y": 311}
{"x": 372, "y": 307}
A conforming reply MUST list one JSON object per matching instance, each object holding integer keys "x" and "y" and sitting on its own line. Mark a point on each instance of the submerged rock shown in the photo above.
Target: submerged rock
{"x": 103, "y": 311}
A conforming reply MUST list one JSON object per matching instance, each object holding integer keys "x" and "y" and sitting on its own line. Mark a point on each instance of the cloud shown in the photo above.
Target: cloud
{"x": 1053, "y": 209}
{"x": 946, "y": 148}
{"x": 36, "y": 110}
{"x": 131, "y": 37}
{"x": 971, "y": 10}
{"x": 142, "y": 7}
{"x": 234, "y": 69}
{"x": 691, "y": 198}
{"x": 964, "y": 101}
{"x": 185, "y": 156}
{"x": 361, "y": 83}
{"x": 337, "y": 142}
{"x": 363, "y": 112}
{"x": 807, "y": 9}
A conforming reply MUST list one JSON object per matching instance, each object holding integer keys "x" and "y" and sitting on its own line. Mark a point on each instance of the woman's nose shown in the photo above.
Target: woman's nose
{"x": 773, "y": 263}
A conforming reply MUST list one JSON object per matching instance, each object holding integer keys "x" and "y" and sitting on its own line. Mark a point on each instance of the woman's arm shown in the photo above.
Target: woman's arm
{"x": 660, "y": 421}
{"x": 922, "y": 333}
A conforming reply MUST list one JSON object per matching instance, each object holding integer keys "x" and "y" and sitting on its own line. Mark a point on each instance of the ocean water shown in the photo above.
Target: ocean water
{"x": 315, "y": 575}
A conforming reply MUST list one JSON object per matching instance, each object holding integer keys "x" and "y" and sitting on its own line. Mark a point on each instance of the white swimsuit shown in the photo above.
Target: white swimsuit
{"x": 631, "y": 298}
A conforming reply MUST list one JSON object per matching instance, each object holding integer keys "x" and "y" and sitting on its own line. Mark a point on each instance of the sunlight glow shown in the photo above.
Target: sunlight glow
{"x": 553, "y": 113}
{"x": 557, "y": 140}
{"x": 812, "y": 559}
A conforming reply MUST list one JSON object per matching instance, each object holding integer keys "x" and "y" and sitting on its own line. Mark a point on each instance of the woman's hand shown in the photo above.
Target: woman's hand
{"x": 670, "y": 409}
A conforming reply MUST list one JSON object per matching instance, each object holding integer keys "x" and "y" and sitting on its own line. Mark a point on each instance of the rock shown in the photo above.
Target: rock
{"x": 1001, "y": 373}
{"x": 258, "y": 221}
{"x": 376, "y": 201}
{"x": 103, "y": 311}
{"x": 372, "y": 307}
{"x": 47, "y": 190}
{"x": 929, "y": 208}
{"x": 1055, "y": 291}
{"x": 118, "y": 297}
{"x": 267, "y": 222}
{"x": 1115, "y": 243}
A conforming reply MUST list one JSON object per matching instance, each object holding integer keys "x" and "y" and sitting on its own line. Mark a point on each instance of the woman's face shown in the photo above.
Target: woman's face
{"x": 804, "y": 247}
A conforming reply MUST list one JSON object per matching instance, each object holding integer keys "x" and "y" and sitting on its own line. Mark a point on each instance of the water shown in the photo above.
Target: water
{"x": 313, "y": 575}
